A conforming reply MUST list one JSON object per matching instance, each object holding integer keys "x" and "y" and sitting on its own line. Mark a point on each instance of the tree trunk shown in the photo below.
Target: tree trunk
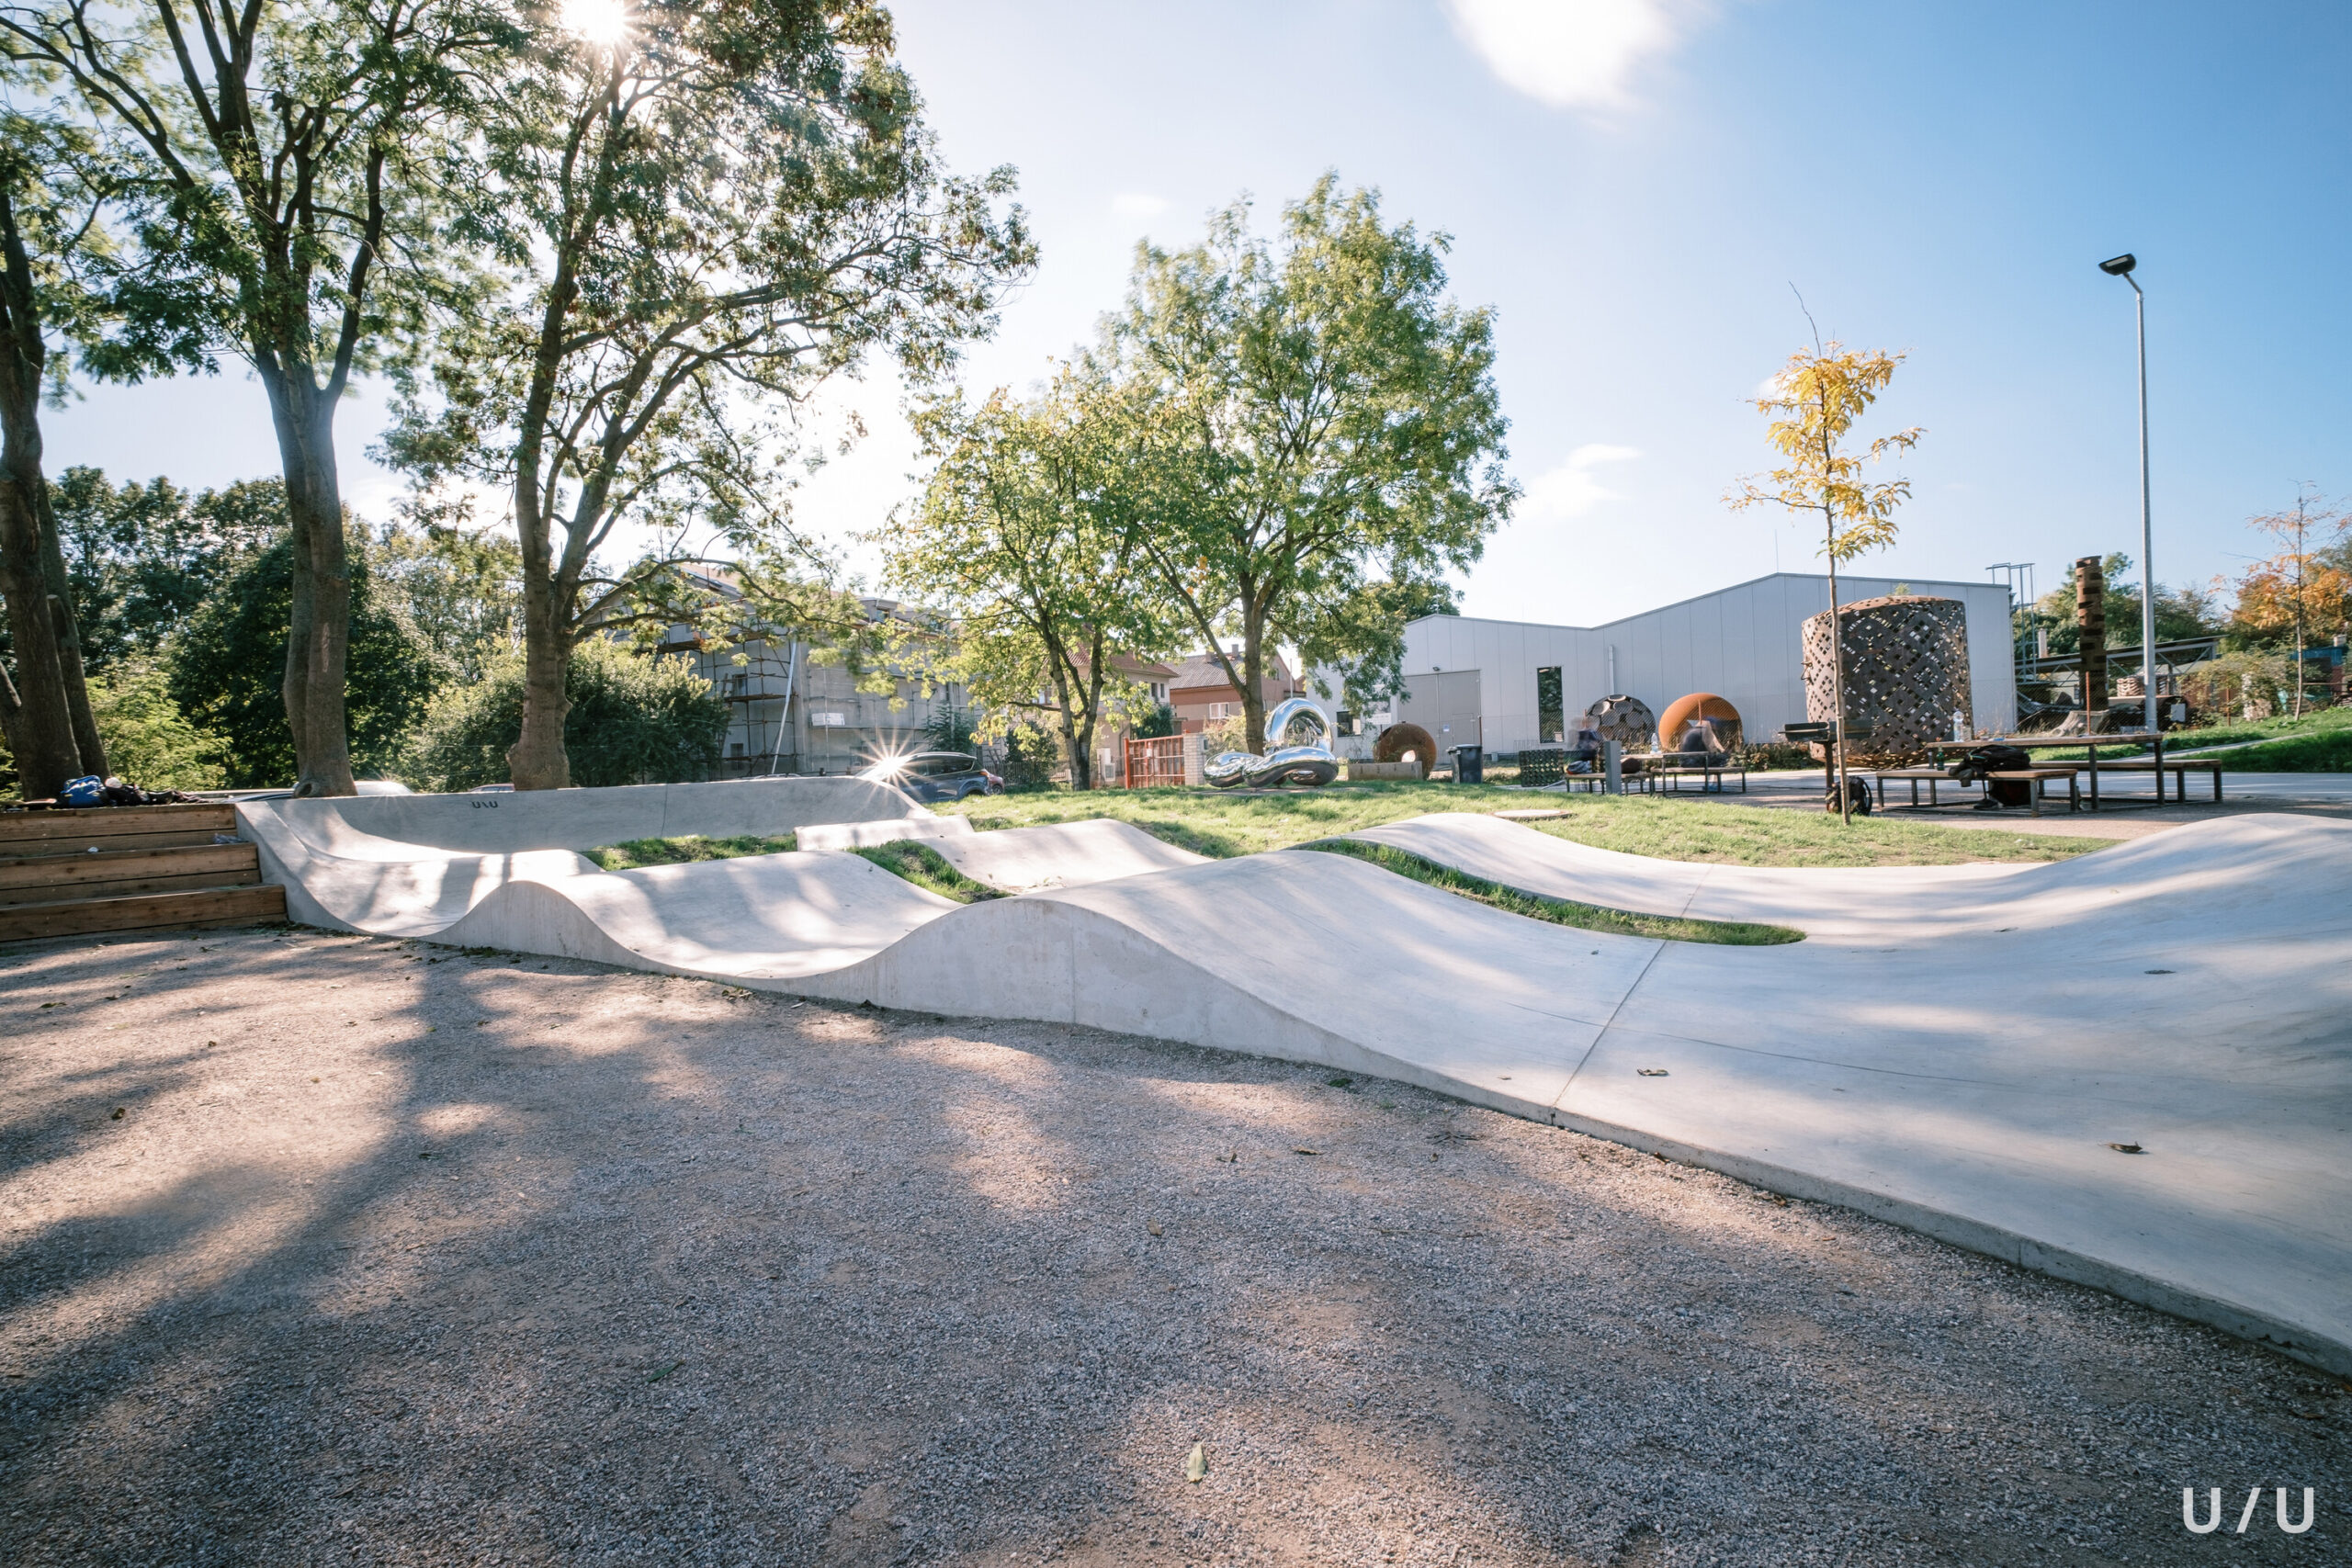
{"x": 538, "y": 759}
{"x": 69, "y": 641}
{"x": 1253, "y": 690}
{"x": 317, "y": 640}
{"x": 43, "y": 727}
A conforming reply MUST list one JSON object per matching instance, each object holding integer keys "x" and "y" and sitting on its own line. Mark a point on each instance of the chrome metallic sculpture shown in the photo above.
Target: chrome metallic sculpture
{"x": 1298, "y": 739}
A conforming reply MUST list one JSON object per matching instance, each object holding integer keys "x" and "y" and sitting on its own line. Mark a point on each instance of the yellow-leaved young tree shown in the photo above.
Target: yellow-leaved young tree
{"x": 1813, "y": 402}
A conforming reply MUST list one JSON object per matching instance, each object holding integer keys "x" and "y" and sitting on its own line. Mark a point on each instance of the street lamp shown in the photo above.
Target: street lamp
{"x": 2120, "y": 266}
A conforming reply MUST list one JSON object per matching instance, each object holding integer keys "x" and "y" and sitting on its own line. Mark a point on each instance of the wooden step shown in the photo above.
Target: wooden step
{"x": 105, "y": 873}
{"x": 113, "y": 828}
{"x": 145, "y": 911}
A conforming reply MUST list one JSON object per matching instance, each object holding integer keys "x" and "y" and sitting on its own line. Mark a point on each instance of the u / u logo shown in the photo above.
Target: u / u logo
{"x": 2213, "y": 1521}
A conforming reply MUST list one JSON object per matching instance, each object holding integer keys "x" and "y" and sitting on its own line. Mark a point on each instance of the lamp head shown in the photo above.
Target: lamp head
{"x": 2120, "y": 265}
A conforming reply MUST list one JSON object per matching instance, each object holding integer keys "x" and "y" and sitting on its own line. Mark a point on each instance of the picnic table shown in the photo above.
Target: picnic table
{"x": 2160, "y": 765}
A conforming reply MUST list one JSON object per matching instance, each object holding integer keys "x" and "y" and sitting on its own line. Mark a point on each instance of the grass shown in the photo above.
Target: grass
{"x": 927, "y": 868}
{"x": 1558, "y": 911}
{"x": 639, "y": 852}
{"x": 2318, "y": 742}
{"x": 1753, "y": 835}
{"x": 1221, "y": 824}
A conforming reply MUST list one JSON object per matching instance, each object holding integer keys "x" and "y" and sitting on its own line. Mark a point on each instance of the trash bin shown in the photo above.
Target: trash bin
{"x": 1469, "y": 764}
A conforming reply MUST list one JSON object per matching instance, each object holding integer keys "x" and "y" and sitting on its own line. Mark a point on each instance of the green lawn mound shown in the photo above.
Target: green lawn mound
{"x": 2316, "y": 743}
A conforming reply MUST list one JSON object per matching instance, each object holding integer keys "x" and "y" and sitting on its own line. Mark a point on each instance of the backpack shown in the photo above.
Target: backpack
{"x": 1858, "y": 795}
{"x": 87, "y": 790}
{"x": 1978, "y": 766}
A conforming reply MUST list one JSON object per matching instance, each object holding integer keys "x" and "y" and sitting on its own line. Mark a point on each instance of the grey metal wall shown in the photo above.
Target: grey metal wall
{"x": 1743, "y": 643}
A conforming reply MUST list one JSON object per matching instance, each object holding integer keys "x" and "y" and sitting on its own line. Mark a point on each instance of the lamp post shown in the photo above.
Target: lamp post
{"x": 2121, "y": 266}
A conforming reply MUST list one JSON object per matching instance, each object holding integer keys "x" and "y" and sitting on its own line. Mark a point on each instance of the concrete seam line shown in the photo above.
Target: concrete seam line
{"x": 1696, "y": 888}
{"x": 1611, "y": 1022}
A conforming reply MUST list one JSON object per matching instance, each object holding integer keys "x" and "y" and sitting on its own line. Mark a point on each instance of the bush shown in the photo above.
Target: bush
{"x": 149, "y": 741}
{"x": 635, "y": 718}
{"x": 2242, "y": 685}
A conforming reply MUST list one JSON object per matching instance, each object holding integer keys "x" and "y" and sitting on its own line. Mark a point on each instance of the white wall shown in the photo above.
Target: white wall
{"x": 1743, "y": 643}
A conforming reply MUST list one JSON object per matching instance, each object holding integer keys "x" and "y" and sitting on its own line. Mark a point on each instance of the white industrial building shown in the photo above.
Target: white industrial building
{"x": 1478, "y": 681}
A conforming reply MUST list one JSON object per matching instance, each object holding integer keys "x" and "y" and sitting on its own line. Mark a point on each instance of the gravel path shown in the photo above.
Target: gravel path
{"x": 334, "y": 1250}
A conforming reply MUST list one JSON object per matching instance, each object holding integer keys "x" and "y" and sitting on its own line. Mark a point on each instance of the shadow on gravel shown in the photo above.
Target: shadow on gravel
{"x": 648, "y": 1270}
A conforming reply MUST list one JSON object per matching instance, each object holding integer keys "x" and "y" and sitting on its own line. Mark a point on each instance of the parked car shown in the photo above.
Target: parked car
{"x": 931, "y": 776}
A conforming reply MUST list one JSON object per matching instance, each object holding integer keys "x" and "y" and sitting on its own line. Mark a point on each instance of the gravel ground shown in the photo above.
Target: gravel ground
{"x": 324, "y": 1251}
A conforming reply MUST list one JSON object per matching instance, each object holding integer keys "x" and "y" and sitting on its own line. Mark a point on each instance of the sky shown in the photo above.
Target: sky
{"x": 1642, "y": 189}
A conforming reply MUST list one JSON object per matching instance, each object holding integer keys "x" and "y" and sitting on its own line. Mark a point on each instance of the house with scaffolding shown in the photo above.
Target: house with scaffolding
{"x": 792, "y": 709}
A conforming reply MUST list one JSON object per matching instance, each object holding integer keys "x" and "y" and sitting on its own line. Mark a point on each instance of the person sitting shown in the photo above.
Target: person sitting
{"x": 1584, "y": 752}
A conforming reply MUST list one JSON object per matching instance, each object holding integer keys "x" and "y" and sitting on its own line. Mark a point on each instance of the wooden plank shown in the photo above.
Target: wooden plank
{"x": 12, "y": 897}
{"x": 31, "y": 828}
{"x": 70, "y": 873}
{"x": 184, "y": 840}
{"x": 151, "y": 911}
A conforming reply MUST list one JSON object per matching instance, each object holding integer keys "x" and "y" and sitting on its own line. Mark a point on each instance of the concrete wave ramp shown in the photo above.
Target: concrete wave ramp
{"x": 1956, "y": 1049}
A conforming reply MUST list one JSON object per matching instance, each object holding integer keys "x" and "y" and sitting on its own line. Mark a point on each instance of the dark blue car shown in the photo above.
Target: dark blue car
{"x": 931, "y": 776}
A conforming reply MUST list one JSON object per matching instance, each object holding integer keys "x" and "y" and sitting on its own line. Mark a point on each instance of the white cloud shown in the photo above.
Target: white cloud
{"x": 1134, "y": 204}
{"x": 1571, "y": 53}
{"x": 1572, "y": 490}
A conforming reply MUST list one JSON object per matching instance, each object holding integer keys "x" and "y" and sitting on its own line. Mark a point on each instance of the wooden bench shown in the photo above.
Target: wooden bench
{"x": 2037, "y": 779}
{"x": 1916, "y": 776}
{"x": 1711, "y": 770}
{"x": 2179, "y": 768}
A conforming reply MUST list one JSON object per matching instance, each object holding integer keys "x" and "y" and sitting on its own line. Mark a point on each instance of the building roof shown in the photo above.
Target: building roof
{"x": 1710, "y": 593}
{"x": 1200, "y": 671}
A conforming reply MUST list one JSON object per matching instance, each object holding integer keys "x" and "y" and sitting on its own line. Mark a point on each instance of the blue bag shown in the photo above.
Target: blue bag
{"x": 87, "y": 790}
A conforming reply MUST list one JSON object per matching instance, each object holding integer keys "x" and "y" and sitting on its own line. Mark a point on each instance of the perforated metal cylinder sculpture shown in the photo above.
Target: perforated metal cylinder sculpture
{"x": 1626, "y": 720}
{"x": 1906, "y": 669}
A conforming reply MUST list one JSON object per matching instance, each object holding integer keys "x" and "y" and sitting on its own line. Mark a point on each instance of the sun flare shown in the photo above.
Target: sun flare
{"x": 605, "y": 23}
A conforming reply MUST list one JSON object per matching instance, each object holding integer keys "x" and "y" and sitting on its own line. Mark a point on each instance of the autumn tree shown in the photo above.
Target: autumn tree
{"x": 1813, "y": 404}
{"x": 710, "y": 209}
{"x": 2301, "y": 586}
{"x": 1029, "y": 536}
{"x": 308, "y": 158}
{"x": 1327, "y": 421}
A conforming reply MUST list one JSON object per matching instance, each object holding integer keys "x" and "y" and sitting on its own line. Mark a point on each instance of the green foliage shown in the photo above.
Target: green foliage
{"x": 142, "y": 558}
{"x": 226, "y": 664}
{"x": 1314, "y": 419}
{"x": 461, "y": 592}
{"x": 950, "y": 729}
{"x": 636, "y": 853}
{"x": 1558, "y": 911}
{"x": 149, "y": 741}
{"x": 1156, "y": 724}
{"x": 635, "y": 718}
{"x": 1028, "y": 534}
{"x": 2181, "y": 612}
{"x": 1362, "y": 637}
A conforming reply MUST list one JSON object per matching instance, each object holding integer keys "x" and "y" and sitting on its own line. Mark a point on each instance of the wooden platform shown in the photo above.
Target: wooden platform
{"x": 129, "y": 868}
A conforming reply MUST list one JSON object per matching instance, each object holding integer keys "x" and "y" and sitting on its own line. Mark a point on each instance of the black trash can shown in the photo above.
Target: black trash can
{"x": 1469, "y": 764}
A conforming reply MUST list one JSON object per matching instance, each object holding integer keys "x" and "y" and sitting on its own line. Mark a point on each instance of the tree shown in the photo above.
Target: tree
{"x": 220, "y": 667}
{"x": 1322, "y": 417}
{"x": 712, "y": 210}
{"x": 1363, "y": 636}
{"x": 140, "y": 558}
{"x": 1815, "y": 401}
{"x": 2289, "y": 591}
{"x": 45, "y": 220}
{"x": 1027, "y": 534}
{"x": 634, "y": 719}
{"x": 151, "y": 741}
{"x": 304, "y": 153}
{"x": 461, "y": 591}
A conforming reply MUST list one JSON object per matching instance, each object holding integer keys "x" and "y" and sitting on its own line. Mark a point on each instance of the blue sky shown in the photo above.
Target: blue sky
{"x": 1634, "y": 186}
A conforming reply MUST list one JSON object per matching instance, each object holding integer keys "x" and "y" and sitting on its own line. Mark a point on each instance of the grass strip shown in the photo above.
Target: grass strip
{"x": 1221, "y": 824}
{"x": 926, "y": 868}
{"x": 1559, "y": 911}
{"x": 637, "y": 852}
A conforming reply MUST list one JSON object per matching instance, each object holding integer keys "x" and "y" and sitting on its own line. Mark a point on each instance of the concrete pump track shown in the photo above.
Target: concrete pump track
{"x": 2131, "y": 1069}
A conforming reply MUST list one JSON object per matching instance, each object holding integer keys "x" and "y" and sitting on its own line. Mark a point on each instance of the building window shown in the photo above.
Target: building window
{"x": 1549, "y": 727}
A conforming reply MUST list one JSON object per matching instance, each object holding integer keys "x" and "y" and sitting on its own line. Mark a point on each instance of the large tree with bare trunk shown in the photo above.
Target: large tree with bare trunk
{"x": 713, "y": 208}
{"x": 308, "y": 155}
